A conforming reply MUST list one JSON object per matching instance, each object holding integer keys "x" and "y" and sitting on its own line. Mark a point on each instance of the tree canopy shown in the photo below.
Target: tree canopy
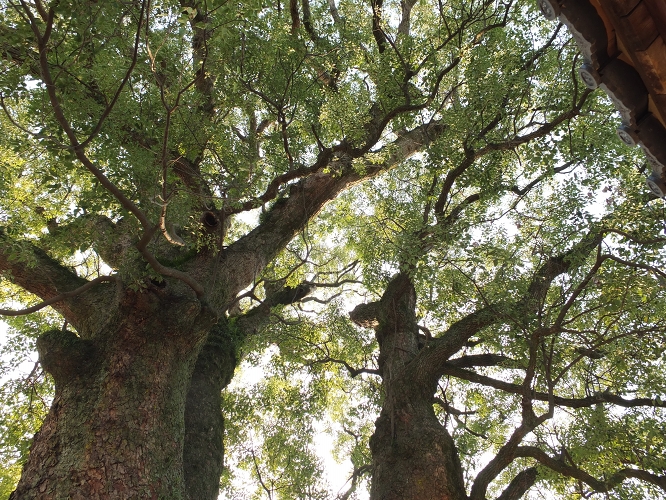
{"x": 410, "y": 218}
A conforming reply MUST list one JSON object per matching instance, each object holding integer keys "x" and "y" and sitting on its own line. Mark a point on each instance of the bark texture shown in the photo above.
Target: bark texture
{"x": 413, "y": 456}
{"x": 115, "y": 428}
{"x": 203, "y": 454}
{"x": 204, "y": 420}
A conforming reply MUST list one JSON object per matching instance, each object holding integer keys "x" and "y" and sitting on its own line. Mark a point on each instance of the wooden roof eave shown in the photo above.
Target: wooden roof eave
{"x": 623, "y": 44}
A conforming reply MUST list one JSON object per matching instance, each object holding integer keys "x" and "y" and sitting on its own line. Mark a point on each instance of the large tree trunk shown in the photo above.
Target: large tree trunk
{"x": 203, "y": 455}
{"x": 204, "y": 422}
{"x": 413, "y": 456}
{"x": 116, "y": 426}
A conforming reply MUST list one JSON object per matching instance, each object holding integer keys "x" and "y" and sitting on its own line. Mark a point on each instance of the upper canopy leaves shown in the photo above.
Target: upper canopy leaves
{"x": 135, "y": 133}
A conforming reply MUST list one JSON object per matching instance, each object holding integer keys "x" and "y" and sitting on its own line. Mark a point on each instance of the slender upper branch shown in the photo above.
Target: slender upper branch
{"x": 79, "y": 149}
{"x": 353, "y": 372}
{"x": 135, "y": 53}
{"x": 595, "y": 399}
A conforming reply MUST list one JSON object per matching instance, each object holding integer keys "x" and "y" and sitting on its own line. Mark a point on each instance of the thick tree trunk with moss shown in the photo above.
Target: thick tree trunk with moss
{"x": 413, "y": 456}
{"x": 115, "y": 428}
{"x": 203, "y": 454}
{"x": 204, "y": 421}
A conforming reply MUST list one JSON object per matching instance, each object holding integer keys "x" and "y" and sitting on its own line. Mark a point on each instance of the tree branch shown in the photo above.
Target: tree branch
{"x": 403, "y": 27}
{"x": 595, "y": 399}
{"x": 479, "y": 360}
{"x": 135, "y": 52}
{"x": 571, "y": 471}
{"x": 358, "y": 472}
{"x": 353, "y": 372}
{"x": 519, "y": 484}
{"x": 58, "y": 298}
{"x": 41, "y": 275}
{"x": 79, "y": 150}
{"x": 252, "y": 321}
{"x": 247, "y": 256}
{"x": 377, "y": 30}
{"x": 430, "y": 360}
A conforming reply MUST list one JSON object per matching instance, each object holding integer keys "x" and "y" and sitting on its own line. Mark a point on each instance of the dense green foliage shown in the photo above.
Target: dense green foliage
{"x": 190, "y": 106}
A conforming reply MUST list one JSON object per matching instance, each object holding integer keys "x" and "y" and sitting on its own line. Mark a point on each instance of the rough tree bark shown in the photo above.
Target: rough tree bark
{"x": 413, "y": 455}
{"x": 115, "y": 428}
{"x": 203, "y": 454}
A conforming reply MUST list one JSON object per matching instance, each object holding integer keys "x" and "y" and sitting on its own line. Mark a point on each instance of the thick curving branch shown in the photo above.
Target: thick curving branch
{"x": 246, "y": 257}
{"x": 431, "y": 360}
{"x": 519, "y": 485}
{"x": 57, "y": 298}
{"x": 54, "y": 283}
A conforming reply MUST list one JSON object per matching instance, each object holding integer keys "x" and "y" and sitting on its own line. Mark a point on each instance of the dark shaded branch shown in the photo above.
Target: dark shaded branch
{"x": 540, "y": 132}
{"x": 333, "y": 9}
{"x": 519, "y": 484}
{"x": 377, "y": 30}
{"x": 451, "y": 177}
{"x": 527, "y": 188}
{"x": 635, "y": 265}
{"x": 634, "y": 239}
{"x": 189, "y": 172}
{"x": 281, "y": 180}
{"x": 448, "y": 408}
{"x": 457, "y": 211}
{"x": 472, "y": 155}
{"x": 537, "y": 55}
{"x": 595, "y": 399}
{"x": 505, "y": 455}
{"x": 307, "y": 19}
{"x": 202, "y": 31}
{"x": 295, "y": 20}
{"x": 57, "y": 298}
{"x": 18, "y": 54}
{"x": 598, "y": 485}
{"x": 479, "y": 360}
{"x": 186, "y": 278}
{"x": 269, "y": 491}
{"x": 564, "y": 310}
